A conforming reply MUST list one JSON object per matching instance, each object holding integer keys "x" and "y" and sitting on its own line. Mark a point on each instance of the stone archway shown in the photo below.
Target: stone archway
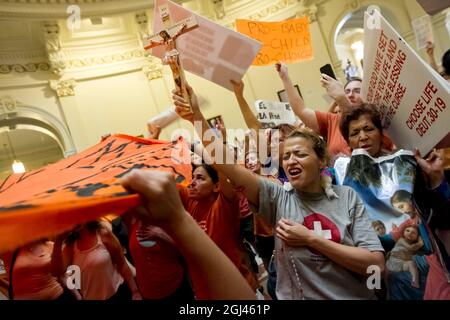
{"x": 356, "y": 11}
{"x": 14, "y": 115}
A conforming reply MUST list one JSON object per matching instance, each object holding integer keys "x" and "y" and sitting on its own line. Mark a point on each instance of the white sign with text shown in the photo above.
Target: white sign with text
{"x": 414, "y": 100}
{"x": 273, "y": 113}
{"x": 423, "y": 31}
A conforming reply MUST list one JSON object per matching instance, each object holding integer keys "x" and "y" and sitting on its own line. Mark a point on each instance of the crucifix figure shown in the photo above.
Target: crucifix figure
{"x": 168, "y": 37}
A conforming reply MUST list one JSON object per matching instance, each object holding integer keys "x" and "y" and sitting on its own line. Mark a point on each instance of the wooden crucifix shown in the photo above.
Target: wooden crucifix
{"x": 168, "y": 37}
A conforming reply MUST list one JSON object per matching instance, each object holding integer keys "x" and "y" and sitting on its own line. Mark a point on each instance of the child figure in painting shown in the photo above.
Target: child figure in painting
{"x": 401, "y": 256}
{"x": 379, "y": 227}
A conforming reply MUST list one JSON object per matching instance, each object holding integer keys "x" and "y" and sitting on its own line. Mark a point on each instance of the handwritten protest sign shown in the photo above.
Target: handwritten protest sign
{"x": 211, "y": 51}
{"x": 288, "y": 41}
{"x": 47, "y": 201}
{"x": 414, "y": 100}
{"x": 273, "y": 113}
{"x": 423, "y": 31}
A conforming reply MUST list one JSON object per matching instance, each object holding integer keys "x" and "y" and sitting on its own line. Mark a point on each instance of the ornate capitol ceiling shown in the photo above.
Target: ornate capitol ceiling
{"x": 36, "y": 35}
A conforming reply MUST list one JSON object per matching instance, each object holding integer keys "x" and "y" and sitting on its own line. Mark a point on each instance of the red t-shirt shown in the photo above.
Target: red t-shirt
{"x": 159, "y": 268}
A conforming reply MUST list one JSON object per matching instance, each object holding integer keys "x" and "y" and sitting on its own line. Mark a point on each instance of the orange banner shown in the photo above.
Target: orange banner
{"x": 288, "y": 41}
{"x": 51, "y": 200}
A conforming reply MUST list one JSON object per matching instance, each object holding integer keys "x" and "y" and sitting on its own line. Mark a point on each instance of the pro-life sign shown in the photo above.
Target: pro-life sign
{"x": 413, "y": 98}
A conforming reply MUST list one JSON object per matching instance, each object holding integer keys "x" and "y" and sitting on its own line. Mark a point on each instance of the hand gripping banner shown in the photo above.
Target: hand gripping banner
{"x": 48, "y": 201}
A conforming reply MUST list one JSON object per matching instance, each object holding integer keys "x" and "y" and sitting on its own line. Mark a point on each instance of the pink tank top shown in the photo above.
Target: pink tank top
{"x": 99, "y": 276}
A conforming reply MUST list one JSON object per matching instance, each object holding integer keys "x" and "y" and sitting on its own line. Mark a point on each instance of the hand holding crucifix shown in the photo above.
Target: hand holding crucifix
{"x": 172, "y": 56}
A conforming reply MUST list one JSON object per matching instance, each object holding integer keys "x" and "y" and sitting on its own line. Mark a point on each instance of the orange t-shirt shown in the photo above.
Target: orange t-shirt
{"x": 159, "y": 267}
{"x": 220, "y": 219}
{"x": 329, "y": 128}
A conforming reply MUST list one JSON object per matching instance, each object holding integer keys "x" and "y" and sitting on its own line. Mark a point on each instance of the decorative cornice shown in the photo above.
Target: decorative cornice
{"x": 50, "y": 2}
{"x": 21, "y": 68}
{"x": 56, "y": 9}
{"x": 7, "y": 104}
{"x": 268, "y": 11}
{"x": 142, "y": 22}
{"x": 153, "y": 69}
{"x": 55, "y": 53}
{"x": 22, "y": 55}
{"x": 310, "y": 12}
{"x": 280, "y": 5}
{"x": 353, "y": 5}
{"x": 63, "y": 88}
{"x": 111, "y": 58}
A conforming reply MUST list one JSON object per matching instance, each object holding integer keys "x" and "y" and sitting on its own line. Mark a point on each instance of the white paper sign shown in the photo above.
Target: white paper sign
{"x": 273, "y": 113}
{"x": 414, "y": 100}
{"x": 423, "y": 31}
{"x": 211, "y": 51}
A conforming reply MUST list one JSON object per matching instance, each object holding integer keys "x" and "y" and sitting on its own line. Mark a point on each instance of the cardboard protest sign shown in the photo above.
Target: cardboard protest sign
{"x": 273, "y": 113}
{"x": 288, "y": 41}
{"x": 84, "y": 187}
{"x": 211, "y": 51}
{"x": 414, "y": 99}
{"x": 423, "y": 31}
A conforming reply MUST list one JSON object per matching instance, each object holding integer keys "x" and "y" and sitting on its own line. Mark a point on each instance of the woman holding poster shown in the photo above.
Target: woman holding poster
{"x": 399, "y": 190}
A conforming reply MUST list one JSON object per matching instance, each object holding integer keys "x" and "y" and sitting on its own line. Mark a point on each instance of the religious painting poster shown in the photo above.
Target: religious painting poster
{"x": 386, "y": 186}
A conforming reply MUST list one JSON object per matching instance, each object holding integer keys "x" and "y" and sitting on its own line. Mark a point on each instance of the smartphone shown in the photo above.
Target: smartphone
{"x": 328, "y": 70}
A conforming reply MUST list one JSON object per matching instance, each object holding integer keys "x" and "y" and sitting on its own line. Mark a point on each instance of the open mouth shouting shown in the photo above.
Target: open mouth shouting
{"x": 294, "y": 173}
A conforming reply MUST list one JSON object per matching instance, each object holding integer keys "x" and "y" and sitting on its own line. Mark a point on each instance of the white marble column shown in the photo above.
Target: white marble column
{"x": 65, "y": 91}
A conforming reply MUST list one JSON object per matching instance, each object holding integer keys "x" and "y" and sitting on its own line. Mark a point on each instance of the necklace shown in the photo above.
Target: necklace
{"x": 299, "y": 282}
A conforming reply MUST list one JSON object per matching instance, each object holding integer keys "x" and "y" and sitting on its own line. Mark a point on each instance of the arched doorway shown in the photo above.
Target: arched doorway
{"x": 348, "y": 38}
{"x": 31, "y": 135}
{"x": 34, "y": 148}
